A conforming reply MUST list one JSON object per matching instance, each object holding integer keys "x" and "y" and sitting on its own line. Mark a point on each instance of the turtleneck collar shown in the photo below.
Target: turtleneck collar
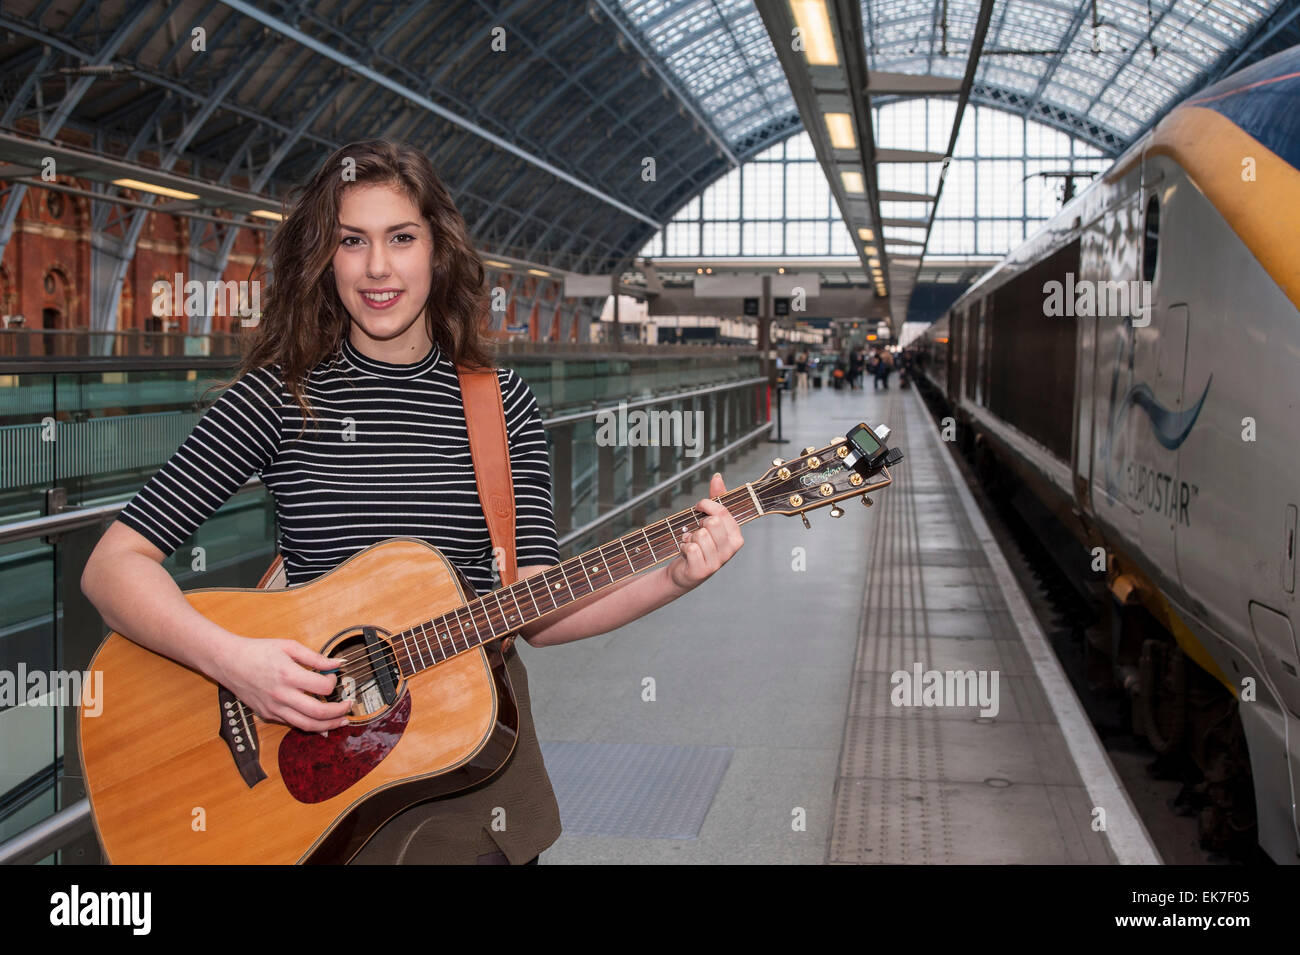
{"x": 384, "y": 369}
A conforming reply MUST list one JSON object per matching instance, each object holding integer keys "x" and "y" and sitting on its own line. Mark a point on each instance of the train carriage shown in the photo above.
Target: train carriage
{"x": 1136, "y": 365}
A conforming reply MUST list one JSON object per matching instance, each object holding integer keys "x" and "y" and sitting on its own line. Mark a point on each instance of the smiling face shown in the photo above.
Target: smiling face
{"x": 383, "y": 273}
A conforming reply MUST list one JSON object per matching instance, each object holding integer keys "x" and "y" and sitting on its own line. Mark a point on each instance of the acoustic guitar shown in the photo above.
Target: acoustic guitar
{"x": 179, "y": 770}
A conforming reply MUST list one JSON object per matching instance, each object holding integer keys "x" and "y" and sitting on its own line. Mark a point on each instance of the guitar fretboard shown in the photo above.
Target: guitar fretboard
{"x": 504, "y": 611}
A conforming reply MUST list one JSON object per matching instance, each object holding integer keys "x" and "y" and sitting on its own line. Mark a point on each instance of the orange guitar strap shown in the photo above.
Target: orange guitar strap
{"x": 489, "y": 448}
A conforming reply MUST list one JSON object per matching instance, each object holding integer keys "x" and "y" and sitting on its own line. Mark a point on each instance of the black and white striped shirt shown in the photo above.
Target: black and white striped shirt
{"x": 390, "y": 459}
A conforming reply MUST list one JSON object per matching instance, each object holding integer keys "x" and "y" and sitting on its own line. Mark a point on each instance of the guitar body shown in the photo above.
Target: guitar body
{"x": 177, "y": 770}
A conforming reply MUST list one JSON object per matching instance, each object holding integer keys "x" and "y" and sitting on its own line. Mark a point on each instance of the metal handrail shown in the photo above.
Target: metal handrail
{"x": 663, "y": 485}
{"x": 47, "y": 836}
{"x": 75, "y": 518}
{"x": 657, "y": 400}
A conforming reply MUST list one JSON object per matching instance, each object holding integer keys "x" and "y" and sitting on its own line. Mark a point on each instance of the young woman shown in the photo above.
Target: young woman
{"x": 348, "y": 405}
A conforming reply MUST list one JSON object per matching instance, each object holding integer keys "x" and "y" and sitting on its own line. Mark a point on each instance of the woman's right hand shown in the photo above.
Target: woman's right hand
{"x": 275, "y": 678}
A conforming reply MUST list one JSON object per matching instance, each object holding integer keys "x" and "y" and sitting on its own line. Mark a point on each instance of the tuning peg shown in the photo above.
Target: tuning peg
{"x": 777, "y": 462}
{"x": 866, "y": 501}
{"x": 837, "y": 511}
{"x": 808, "y": 450}
{"x": 805, "y": 520}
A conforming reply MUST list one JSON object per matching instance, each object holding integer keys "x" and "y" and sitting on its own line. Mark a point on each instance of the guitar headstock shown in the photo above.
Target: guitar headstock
{"x": 853, "y": 465}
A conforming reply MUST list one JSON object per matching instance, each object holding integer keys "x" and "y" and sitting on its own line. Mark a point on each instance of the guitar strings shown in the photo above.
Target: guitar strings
{"x": 363, "y": 662}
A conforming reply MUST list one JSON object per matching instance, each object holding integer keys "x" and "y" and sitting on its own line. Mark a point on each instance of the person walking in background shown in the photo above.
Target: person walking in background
{"x": 878, "y": 371}
{"x": 856, "y": 364}
{"x": 801, "y": 373}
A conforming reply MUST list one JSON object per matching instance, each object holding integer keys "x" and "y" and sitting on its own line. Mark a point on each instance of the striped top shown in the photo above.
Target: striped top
{"x": 388, "y": 456}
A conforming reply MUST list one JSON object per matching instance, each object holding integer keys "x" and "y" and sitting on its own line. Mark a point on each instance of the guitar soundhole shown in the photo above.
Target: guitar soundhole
{"x": 367, "y": 670}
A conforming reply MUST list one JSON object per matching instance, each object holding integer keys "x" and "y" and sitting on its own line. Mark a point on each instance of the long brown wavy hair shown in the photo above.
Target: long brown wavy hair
{"x": 304, "y": 320}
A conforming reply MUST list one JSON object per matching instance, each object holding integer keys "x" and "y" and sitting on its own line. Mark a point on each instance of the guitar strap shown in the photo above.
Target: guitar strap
{"x": 485, "y": 419}
{"x": 489, "y": 449}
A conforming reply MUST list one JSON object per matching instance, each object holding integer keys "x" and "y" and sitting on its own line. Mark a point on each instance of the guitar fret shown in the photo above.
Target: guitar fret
{"x": 583, "y": 565}
{"x": 477, "y": 635}
{"x": 505, "y": 617}
{"x": 567, "y": 583}
{"x": 424, "y": 632}
{"x": 460, "y": 625}
{"x": 409, "y": 668}
{"x": 519, "y": 611}
{"x": 630, "y": 562}
{"x": 410, "y": 644}
{"x": 531, "y": 596}
{"x": 649, "y": 544}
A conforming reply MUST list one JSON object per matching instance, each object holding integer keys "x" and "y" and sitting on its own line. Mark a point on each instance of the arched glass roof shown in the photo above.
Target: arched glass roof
{"x": 1102, "y": 70}
{"x": 1005, "y": 180}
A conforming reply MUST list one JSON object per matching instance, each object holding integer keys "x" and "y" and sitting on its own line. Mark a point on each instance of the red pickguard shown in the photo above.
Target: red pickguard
{"x": 315, "y": 767}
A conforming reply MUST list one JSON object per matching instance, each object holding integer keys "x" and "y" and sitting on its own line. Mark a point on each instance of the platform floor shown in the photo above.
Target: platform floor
{"x": 771, "y": 737}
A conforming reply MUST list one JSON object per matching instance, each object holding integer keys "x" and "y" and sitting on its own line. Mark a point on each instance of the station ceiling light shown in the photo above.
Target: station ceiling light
{"x": 853, "y": 184}
{"x": 141, "y": 186}
{"x": 840, "y": 126}
{"x": 815, "y": 29}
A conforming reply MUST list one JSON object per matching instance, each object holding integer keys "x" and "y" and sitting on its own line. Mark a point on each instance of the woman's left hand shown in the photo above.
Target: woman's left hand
{"x": 712, "y": 545}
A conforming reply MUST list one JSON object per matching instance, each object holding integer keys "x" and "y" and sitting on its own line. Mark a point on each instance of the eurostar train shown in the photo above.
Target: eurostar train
{"x": 1136, "y": 366}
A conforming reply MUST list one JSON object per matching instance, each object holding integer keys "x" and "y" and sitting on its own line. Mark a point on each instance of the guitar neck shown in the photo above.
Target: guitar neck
{"x": 503, "y": 611}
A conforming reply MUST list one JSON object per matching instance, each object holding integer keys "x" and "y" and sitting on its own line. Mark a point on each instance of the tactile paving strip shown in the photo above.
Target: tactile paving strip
{"x": 923, "y": 784}
{"x": 634, "y": 790}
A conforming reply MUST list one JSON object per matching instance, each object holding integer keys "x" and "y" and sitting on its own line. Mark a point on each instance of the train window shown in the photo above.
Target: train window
{"x": 1151, "y": 240}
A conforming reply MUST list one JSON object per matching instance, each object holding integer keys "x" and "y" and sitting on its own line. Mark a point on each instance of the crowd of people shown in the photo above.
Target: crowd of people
{"x": 849, "y": 368}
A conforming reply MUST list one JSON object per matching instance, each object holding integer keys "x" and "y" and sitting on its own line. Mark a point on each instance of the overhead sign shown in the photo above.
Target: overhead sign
{"x": 588, "y": 286}
{"x": 728, "y": 286}
{"x": 784, "y": 285}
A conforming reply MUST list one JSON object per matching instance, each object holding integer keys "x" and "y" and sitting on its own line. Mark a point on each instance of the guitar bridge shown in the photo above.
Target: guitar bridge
{"x": 240, "y": 733}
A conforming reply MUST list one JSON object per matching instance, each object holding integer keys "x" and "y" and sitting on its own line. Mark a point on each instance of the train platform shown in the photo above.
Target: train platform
{"x": 755, "y": 720}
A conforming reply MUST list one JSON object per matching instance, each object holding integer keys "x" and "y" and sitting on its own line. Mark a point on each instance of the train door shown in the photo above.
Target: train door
{"x": 1087, "y": 382}
{"x": 1122, "y": 355}
{"x": 1157, "y": 400}
{"x": 955, "y": 362}
{"x": 1084, "y": 396}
